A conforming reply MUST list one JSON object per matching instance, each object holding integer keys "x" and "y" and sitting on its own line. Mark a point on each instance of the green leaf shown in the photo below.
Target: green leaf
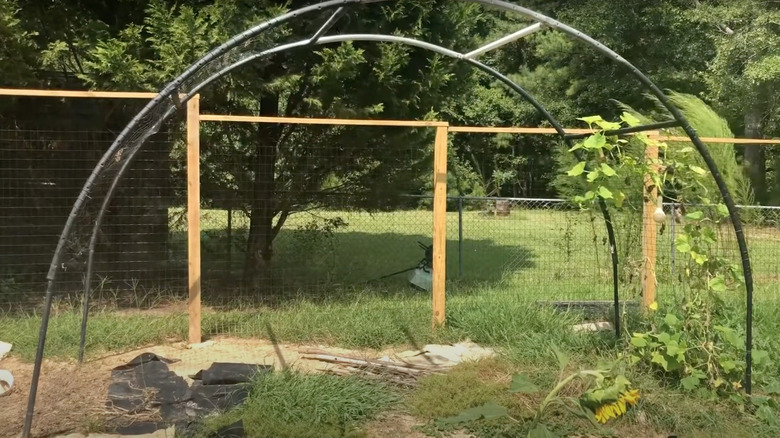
{"x": 595, "y": 141}
{"x": 488, "y": 411}
{"x": 698, "y": 170}
{"x": 593, "y": 176}
{"x": 638, "y": 342}
{"x": 577, "y": 169}
{"x": 761, "y": 357}
{"x": 773, "y": 388}
{"x": 607, "y": 171}
{"x": 717, "y": 284}
{"x": 690, "y": 383}
{"x": 671, "y": 320}
{"x": 607, "y": 125}
{"x": 767, "y": 414}
{"x": 541, "y": 432}
{"x": 682, "y": 244}
{"x": 694, "y": 216}
{"x": 729, "y": 335}
{"x": 605, "y": 193}
{"x": 561, "y": 357}
{"x": 522, "y": 384}
{"x": 620, "y": 198}
{"x": 658, "y": 358}
{"x": 629, "y": 119}
{"x": 590, "y": 119}
{"x": 722, "y": 210}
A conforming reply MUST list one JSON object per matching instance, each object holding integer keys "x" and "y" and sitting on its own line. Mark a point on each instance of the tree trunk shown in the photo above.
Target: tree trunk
{"x": 755, "y": 159}
{"x": 261, "y": 228}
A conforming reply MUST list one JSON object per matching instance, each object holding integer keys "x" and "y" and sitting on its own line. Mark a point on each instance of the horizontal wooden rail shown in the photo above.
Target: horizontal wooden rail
{"x": 758, "y": 141}
{"x": 322, "y": 121}
{"x": 512, "y": 130}
{"x": 77, "y": 94}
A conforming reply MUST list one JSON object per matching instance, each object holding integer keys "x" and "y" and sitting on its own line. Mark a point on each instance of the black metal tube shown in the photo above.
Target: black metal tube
{"x": 172, "y": 88}
{"x": 28, "y": 417}
{"x": 631, "y": 129}
{"x": 163, "y": 96}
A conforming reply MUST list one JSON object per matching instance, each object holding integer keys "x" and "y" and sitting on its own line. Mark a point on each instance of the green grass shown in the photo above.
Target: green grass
{"x": 509, "y": 264}
{"x": 292, "y": 405}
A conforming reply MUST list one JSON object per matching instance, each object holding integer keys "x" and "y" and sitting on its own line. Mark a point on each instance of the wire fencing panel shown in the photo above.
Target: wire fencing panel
{"x": 762, "y": 232}
{"x": 319, "y": 212}
{"x": 48, "y": 148}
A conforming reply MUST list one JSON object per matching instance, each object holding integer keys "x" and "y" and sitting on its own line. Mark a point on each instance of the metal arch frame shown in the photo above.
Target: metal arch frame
{"x": 170, "y": 94}
{"x": 371, "y": 38}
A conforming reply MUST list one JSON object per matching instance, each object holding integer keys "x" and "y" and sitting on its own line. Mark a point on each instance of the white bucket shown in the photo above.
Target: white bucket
{"x": 6, "y": 382}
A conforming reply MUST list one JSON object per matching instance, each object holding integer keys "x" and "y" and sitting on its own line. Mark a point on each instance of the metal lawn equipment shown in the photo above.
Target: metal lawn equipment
{"x": 421, "y": 274}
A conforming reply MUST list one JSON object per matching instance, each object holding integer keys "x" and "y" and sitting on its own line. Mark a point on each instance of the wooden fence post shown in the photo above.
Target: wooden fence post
{"x": 439, "y": 224}
{"x": 193, "y": 218}
{"x": 649, "y": 228}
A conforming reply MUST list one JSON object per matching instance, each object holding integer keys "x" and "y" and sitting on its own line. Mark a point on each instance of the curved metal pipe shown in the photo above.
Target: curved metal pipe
{"x": 700, "y": 147}
{"x": 172, "y": 87}
{"x": 338, "y": 39}
{"x": 164, "y": 95}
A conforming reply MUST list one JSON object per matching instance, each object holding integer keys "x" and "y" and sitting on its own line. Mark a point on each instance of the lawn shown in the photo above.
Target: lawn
{"x": 509, "y": 264}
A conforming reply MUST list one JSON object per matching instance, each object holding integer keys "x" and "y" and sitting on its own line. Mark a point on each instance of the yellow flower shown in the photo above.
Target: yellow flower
{"x": 631, "y": 396}
{"x": 654, "y": 305}
{"x": 609, "y": 411}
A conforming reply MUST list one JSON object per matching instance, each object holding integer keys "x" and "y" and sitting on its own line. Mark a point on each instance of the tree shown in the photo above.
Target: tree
{"x": 18, "y": 57}
{"x": 280, "y": 170}
{"x": 744, "y": 73}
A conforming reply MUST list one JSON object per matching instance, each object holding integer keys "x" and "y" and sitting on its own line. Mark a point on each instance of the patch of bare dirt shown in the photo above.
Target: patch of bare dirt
{"x": 69, "y": 397}
{"x": 72, "y": 398}
{"x": 393, "y": 424}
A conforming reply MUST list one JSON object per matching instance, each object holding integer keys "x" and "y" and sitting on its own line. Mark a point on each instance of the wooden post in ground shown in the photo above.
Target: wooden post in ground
{"x": 439, "y": 224}
{"x": 193, "y": 218}
{"x": 649, "y": 228}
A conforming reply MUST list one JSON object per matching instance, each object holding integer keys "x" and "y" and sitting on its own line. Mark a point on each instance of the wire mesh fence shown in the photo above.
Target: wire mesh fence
{"x": 331, "y": 216}
{"x": 48, "y": 147}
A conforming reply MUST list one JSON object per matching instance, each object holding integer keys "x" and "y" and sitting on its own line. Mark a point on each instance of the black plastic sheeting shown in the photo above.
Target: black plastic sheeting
{"x": 146, "y": 385}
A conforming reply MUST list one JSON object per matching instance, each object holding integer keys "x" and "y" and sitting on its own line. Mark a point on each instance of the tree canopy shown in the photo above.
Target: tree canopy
{"x": 724, "y": 52}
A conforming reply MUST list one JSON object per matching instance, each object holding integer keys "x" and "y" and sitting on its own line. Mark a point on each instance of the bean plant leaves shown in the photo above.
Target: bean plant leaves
{"x": 694, "y": 216}
{"x": 690, "y": 383}
{"x": 595, "y": 141}
{"x": 607, "y": 171}
{"x": 630, "y": 119}
{"x": 773, "y": 388}
{"x": 577, "y": 169}
{"x": 605, "y": 193}
{"x": 590, "y": 119}
{"x": 767, "y": 414}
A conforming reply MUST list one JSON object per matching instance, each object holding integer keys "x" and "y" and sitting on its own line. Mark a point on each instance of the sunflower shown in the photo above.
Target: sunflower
{"x": 615, "y": 409}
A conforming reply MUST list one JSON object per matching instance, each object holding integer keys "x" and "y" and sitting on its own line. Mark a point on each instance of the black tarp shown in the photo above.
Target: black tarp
{"x": 146, "y": 385}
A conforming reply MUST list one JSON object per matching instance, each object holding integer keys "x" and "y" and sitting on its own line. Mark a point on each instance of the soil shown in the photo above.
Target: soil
{"x": 69, "y": 398}
{"x": 72, "y": 398}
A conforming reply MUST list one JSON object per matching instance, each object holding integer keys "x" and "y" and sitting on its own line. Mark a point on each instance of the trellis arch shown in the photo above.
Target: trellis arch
{"x": 89, "y": 208}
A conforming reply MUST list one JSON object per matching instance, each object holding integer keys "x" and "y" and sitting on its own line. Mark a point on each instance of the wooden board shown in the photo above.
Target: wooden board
{"x": 77, "y": 93}
{"x": 193, "y": 219}
{"x": 321, "y": 121}
{"x": 649, "y": 232}
{"x": 439, "y": 225}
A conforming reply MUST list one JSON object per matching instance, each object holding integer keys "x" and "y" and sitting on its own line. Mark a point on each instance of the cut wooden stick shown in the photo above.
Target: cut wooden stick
{"x": 348, "y": 361}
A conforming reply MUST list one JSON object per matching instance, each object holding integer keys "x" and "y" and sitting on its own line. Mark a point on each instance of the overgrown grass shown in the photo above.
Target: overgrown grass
{"x": 294, "y": 405}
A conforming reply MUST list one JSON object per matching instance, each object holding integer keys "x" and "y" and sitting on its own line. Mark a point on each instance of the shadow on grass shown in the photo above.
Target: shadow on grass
{"x": 318, "y": 267}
